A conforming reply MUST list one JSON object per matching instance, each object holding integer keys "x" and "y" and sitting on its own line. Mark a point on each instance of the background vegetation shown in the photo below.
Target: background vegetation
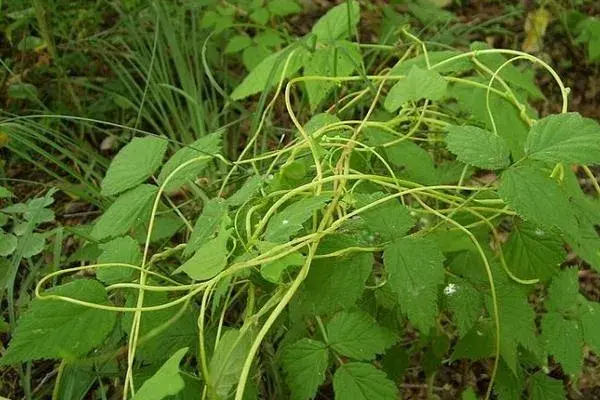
{"x": 279, "y": 199}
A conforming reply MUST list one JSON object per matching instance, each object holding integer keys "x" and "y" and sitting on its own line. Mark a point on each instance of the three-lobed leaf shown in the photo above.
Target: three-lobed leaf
{"x": 133, "y": 164}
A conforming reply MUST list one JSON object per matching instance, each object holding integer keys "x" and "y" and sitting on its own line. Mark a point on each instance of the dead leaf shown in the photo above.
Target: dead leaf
{"x": 535, "y": 28}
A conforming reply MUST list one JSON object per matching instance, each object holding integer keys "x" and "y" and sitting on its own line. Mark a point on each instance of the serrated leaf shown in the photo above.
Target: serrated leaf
{"x": 227, "y": 361}
{"x": 478, "y": 147}
{"x": 415, "y": 270}
{"x": 508, "y": 385}
{"x": 125, "y": 212}
{"x": 533, "y": 253}
{"x": 542, "y": 387}
{"x": 563, "y": 339}
{"x": 120, "y": 250}
{"x": 537, "y": 198}
{"x": 361, "y": 381}
{"x": 465, "y": 303}
{"x": 590, "y": 321}
{"x": 209, "y": 259}
{"x": 340, "y": 59}
{"x": 268, "y": 73}
{"x": 209, "y": 145}
{"x": 305, "y": 363}
{"x": 238, "y": 43}
{"x": 418, "y": 84}
{"x": 289, "y": 220}
{"x": 332, "y": 284}
{"x": 355, "y": 334}
{"x": 389, "y": 220}
{"x": 213, "y": 215}
{"x": 165, "y": 382}
{"x": 567, "y": 138}
{"x": 517, "y": 321}
{"x": 133, "y": 164}
{"x": 337, "y": 23}
{"x": 54, "y": 329}
{"x": 253, "y": 55}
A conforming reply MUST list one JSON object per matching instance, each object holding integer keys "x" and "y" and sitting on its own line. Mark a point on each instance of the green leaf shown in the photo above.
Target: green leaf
{"x": 389, "y": 220}
{"x": 238, "y": 43}
{"x": 260, "y": 16}
{"x": 537, "y": 197}
{"x": 123, "y": 250}
{"x": 213, "y": 215}
{"x": 337, "y": 23}
{"x": 22, "y": 91}
{"x": 32, "y": 244}
{"x": 361, "y": 381}
{"x": 208, "y": 146}
{"x": 5, "y": 193}
{"x": 532, "y": 252}
{"x": 227, "y": 361}
{"x": 209, "y": 259}
{"x": 332, "y": 284}
{"x": 283, "y": 8}
{"x": 507, "y": 118}
{"x": 165, "y": 382}
{"x": 508, "y": 385}
{"x": 468, "y": 394}
{"x": 418, "y": 84}
{"x": 355, "y": 334}
{"x": 542, "y": 387}
{"x": 478, "y": 343}
{"x": 563, "y": 339}
{"x": 273, "y": 270}
{"x": 253, "y": 55}
{"x": 415, "y": 270}
{"x": 268, "y": 73}
{"x": 338, "y": 60}
{"x": 8, "y": 244}
{"x": 457, "y": 66}
{"x": 478, "y": 147}
{"x": 465, "y": 303}
{"x": 245, "y": 193}
{"x": 133, "y": 164}
{"x": 305, "y": 363}
{"x": 170, "y": 329}
{"x": 590, "y": 321}
{"x": 54, "y": 329}
{"x": 563, "y": 293}
{"x": 567, "y": 138}
{"x": 517, "y": 321}
{"x": 289, "y": 221}
{"x": 125, "y": 212}
{"x": 416, "y": 163}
